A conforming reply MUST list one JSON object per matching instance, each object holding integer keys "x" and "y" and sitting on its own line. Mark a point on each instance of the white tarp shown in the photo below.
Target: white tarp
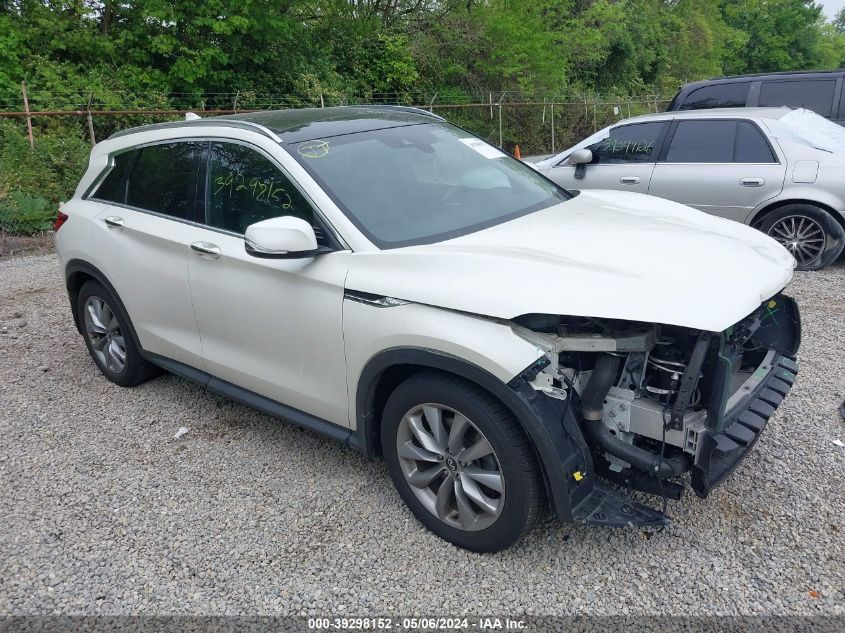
{"x": 808, "y": 128}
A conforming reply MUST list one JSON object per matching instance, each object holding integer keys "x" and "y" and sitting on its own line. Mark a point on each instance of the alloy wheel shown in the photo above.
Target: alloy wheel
{"x": 105, "y": 335}
{"x": 451, "y": 467}
{"x": 802, "y": 237}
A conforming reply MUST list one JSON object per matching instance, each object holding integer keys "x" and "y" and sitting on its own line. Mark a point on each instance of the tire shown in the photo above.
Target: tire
{"x": 471, "y": 484}
{"x": 108, "y": 337}
{"x": 809, "y": 233}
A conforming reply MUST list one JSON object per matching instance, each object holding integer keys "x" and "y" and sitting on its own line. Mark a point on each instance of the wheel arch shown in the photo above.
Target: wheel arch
{"x": 760, "y": 214}
{"x": 77, "y": 273}
{"x": 385, "y": 371}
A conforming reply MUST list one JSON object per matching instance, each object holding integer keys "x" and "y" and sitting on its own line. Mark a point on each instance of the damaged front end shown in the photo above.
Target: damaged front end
{"x": 657, "y": 401}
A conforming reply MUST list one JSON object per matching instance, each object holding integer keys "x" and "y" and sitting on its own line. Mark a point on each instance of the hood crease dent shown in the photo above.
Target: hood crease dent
{"x": 604, "y": 254}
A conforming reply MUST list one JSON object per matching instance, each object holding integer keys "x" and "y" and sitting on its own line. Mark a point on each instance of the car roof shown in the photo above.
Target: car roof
{"x": 753, "y": 76}
{"x": 712, "y": 113}
{"x": 304, "y": 124}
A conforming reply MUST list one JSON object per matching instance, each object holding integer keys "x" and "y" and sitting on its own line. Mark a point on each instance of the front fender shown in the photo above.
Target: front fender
{"x": 552, "y": 429}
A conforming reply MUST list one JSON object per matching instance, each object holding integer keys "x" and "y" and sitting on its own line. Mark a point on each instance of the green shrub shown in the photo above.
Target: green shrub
{"x": 23, "y": 214}
{"x": 51, "y": 169}
{"x": 34, "y": 180}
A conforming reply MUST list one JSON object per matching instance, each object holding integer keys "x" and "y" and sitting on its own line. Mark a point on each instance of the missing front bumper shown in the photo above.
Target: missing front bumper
{"x": 720, "y": 453}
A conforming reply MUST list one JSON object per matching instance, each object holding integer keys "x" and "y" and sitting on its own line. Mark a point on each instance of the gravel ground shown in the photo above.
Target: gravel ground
{"x": 102, "y": 511}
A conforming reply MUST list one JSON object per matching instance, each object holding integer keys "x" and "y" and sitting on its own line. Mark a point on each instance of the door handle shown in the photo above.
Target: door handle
{"x": 629, "y": 180}
{"x": 207, "y": 248}
{"x": 114, "y": 222}
{"x": 752, "y": 182}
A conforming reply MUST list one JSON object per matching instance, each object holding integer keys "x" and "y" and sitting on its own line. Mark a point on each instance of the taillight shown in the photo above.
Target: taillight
{"x": 61, "y": 218}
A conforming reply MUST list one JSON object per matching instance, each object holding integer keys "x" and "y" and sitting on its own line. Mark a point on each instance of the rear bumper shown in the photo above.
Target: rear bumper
{"x": 720, "y": 453}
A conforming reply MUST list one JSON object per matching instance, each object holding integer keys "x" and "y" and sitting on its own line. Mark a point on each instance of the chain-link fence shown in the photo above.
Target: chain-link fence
{"x": 539, "y": 124}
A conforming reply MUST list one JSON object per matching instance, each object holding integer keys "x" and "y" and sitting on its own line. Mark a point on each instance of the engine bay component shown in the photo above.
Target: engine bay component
{"x": 657, "y": 401}
{"x": 592, "y": 408}
{"x": 555, "y": 335}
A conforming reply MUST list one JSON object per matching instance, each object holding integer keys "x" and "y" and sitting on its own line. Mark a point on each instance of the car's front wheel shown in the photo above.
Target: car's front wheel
{"x": 813, "y": 236}
{"x": 461, "y": 462}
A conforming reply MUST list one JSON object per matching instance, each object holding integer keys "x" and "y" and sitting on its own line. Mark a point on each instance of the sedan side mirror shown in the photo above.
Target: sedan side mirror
{"x": 285, "y": 237}
{"x": 580, "y": 158}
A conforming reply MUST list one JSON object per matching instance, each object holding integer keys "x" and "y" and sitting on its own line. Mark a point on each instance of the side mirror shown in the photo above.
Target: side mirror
{"x": 580, "y": 158}
{"x": 285, "y": 237}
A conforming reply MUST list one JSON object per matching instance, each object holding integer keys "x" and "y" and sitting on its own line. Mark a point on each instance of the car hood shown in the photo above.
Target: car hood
{"x": 607, "y": 254}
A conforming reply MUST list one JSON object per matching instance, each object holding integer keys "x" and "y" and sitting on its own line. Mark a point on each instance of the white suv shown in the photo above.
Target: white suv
{"x": 382, "y": 277}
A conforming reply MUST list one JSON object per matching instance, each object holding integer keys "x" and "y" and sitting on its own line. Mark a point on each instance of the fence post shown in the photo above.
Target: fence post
{"x": 553, "y": 126}
{"x": 28, "y": 116}
{"x": 91, "y": 121}
{"x": 431, "y": 103}
{"x": 322, "y": 104}
{"x": 235, "y": 105}
{"x": 501, "y": 140}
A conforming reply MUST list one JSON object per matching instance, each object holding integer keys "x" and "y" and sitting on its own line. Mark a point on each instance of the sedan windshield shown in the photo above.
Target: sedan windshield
{"x": 418, "y": 184}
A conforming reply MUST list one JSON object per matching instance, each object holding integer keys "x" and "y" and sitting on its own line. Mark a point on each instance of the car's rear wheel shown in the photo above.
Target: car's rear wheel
{"x": 461, "y": 462}
{"x": 809, "y": 233}
{"x": 109, "y": 339}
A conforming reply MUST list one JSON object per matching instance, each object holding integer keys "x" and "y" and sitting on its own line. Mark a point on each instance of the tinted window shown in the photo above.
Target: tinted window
{"x": 628, "y": 144}
{"x": 164, "y": 180}
{"x": 730, "y": 95}
{"x": 751, "y": 145}
{"x": 113, "y": 187}
{"x": 718, "y": 142}
{"x": 813, "y": 94}
{"x": 247, "y": 188}
{"x": 423, "y": 183}
{"x": 703, "y": 142}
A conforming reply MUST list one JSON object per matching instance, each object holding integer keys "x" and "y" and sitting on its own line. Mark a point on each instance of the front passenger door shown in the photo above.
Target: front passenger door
{"x": 271, "y": 326}
{"x": 624, "y": 160}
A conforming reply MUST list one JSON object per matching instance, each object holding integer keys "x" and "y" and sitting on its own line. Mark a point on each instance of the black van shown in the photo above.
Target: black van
{"x": 819, "y": 91}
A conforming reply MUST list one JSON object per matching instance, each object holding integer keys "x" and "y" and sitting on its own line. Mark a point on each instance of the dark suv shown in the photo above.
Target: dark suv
{"x": 819, "y": 91}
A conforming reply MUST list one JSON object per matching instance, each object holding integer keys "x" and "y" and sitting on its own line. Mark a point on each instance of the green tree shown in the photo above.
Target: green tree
{"x": 839, "y": 21}
{"x": 780, "y": 35}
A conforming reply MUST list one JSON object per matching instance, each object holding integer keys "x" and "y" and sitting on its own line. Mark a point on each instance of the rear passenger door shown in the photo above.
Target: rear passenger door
{"x": 721, "y": 166}
{"x": 624, "y": 160}
{"x": 139, "y": 240}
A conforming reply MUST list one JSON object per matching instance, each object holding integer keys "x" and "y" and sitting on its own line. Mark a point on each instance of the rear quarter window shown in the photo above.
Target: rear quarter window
{"x": 812, "y": 94}
{"x": 113, "y": 186}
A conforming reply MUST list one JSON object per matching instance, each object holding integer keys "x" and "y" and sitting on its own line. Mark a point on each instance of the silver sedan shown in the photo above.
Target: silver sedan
{"x": 779, "y": 170}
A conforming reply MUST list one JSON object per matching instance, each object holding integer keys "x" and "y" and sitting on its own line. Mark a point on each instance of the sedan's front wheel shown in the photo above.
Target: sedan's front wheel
{"x": 461, "y": 462}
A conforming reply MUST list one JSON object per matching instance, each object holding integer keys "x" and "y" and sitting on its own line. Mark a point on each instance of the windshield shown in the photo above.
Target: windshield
{"x": 419, "y": 184}
{"x": 808, "y": 128}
